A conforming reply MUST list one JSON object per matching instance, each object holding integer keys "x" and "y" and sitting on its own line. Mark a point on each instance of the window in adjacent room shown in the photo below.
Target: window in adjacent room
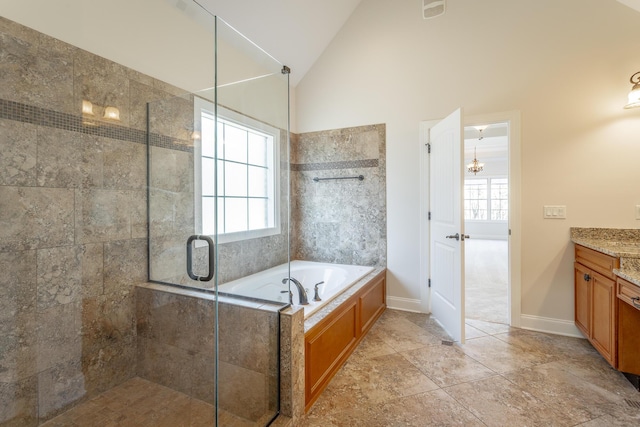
{"x": 486, "y": 199}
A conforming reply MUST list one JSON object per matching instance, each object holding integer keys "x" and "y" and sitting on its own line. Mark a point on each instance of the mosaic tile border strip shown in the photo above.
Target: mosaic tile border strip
{"x": 351, "y": 164}
{"x": 25, "y": 113}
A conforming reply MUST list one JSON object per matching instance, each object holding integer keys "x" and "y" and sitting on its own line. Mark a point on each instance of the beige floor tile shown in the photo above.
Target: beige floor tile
{"x": 401, "y": 334}
{"x": 489, "y": 328}
{"x": 435, "y": 408}
{"x": 500, "y": 356}
{"x": 447, "y": 365}
{"x": 372, "y": 381}
{"x": 553, "y": 345}
{"x": 470, "y": 332}
{"x": 557, "y": 383}
{"x": 498, "y": 402}
{"x": 373, "y": 345}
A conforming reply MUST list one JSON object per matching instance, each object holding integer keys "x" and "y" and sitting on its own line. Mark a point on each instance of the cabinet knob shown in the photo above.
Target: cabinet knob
{"x": 587, "y": 277}
{"x": 635, "y": 304}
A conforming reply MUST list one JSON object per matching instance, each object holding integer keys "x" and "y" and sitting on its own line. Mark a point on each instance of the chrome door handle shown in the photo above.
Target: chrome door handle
{"x": 465, "y": 236}
{"x": 454, "y": 236}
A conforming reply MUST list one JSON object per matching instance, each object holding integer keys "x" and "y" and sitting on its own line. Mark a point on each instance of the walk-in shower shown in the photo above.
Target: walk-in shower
{"x": 133, "y": 181}
{"x": 218, "y": 206}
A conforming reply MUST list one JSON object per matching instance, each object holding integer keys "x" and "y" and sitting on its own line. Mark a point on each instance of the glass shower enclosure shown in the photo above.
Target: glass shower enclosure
{"x": 218, "y": 211}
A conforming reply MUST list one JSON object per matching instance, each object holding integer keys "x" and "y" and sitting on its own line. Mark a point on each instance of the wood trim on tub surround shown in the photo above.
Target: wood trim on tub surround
{"x": 329, "y": 343}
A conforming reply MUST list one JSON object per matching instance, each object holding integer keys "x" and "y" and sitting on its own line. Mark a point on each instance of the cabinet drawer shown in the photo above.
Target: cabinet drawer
{"x": 629, "y": 293}
{"x": 597, "y": 261}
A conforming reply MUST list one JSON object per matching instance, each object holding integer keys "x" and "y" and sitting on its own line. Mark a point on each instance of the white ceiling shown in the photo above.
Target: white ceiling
{"x": 295, "y": 32}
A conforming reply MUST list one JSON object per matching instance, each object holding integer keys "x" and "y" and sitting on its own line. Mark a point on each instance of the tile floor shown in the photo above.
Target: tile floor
{"x": 402, "y": 375}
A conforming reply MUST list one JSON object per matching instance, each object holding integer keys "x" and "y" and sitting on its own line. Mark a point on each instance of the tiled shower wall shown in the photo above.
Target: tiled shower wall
{"x": 72, "y": 223}
{"x": 339, "y": 221}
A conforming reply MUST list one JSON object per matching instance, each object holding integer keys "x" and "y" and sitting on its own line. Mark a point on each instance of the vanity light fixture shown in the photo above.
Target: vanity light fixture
{"x": 87, "y": 107}
{"x": 634, "y": 95}
{"x": 111, "y": 113}
{"x": 475, "y": 166}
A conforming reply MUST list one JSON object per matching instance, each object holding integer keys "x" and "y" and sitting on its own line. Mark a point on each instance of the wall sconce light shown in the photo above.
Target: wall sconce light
{"x": 111, "y": 113}
{"x": 87, "y": 107}
{"x": 634, "y": 95}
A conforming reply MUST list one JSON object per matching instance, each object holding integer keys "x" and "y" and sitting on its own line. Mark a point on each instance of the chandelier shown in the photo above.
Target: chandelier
{"x": 475, "y": 166}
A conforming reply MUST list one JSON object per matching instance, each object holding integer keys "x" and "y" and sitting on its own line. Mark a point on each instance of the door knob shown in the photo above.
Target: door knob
{"x": 465, "y": 236}
{"x": 454, "y": 236}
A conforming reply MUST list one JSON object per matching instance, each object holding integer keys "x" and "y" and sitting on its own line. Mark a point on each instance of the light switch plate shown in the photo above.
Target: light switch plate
{"x": 554, "y": 212}
{"x": 637, "y": 211}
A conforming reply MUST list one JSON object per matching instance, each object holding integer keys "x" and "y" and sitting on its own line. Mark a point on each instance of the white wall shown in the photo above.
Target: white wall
{"x": 564, "y": 65}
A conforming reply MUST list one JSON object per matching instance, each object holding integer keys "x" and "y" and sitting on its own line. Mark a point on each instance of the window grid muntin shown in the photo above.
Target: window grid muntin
{"x": 495, "y": 190}
{"x": 269, "y": 141}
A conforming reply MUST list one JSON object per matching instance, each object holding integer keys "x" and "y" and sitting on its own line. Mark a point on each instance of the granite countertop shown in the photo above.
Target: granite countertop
{"x": 619, "y": 243}
{"x": 621, "y": 249}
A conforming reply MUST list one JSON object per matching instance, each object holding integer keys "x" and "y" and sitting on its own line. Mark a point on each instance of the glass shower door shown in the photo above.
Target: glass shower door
{"x": 218, "y": 201}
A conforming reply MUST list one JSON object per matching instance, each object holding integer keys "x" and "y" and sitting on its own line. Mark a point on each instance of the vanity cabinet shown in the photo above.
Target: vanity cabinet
{"x": 596, "y": 300}
{"x": 628, "y": 327}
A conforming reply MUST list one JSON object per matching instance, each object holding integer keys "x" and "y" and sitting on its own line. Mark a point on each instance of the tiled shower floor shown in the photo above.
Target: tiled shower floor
{"x": 141, "y": 403}
{"x": 401, "y": 374}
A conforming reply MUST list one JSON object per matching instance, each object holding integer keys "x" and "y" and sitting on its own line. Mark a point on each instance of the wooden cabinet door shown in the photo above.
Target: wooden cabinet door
{"x": 583, "y": 299}
{"x": 603, "y": 316}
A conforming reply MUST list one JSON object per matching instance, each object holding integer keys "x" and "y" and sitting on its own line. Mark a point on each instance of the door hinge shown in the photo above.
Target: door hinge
{"x": 429, "y": 282}
{"x": 429, "y": 147}
{"x": 509, "y": 232}
{"x": 429, "y": 216}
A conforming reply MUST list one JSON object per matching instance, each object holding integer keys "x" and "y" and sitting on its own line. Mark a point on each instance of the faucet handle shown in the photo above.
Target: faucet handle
{"x": 316, "y": 296}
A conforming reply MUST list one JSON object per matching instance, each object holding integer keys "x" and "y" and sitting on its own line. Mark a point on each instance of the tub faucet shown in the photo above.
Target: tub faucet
{"x": 316, "y": 297}
{"x": 301, "y": 291}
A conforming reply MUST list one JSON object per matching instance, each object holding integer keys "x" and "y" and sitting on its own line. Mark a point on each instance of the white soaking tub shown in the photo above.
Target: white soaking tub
{"x": 267, "y": 284}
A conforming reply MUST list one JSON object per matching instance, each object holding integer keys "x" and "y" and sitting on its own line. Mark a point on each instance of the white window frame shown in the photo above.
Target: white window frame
{"x": 206, "y": 107}
{"x": 489, "y": 179}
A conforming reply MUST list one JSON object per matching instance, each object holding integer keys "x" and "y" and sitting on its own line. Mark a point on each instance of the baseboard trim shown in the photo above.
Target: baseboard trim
{"x": 405, "y": 304}
{"x": 550, "y": 325}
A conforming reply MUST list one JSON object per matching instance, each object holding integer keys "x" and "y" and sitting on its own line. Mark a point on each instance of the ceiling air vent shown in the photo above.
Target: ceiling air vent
{"x": 432, "y": 8}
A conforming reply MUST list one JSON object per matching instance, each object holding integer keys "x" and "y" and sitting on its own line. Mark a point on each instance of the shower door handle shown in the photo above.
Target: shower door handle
{"x": 209, "y": 241}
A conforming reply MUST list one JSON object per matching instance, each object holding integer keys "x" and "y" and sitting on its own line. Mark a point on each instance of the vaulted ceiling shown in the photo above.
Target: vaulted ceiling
{"x": 295, "y": 32}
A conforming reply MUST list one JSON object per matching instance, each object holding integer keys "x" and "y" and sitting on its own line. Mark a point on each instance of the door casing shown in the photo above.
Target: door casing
{"x": 515, "y": 228}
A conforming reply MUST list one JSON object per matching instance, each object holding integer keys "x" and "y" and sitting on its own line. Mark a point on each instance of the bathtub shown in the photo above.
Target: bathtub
{"x": 267, "y": 284}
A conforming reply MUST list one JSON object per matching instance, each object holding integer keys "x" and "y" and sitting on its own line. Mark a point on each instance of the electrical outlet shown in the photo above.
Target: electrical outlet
{"x": 554, "y": 212}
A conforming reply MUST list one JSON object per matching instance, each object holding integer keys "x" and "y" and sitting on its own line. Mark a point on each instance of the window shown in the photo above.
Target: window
{"x": 247, "y": 177}
{"x": 475, "y": 199}
{"x": 486, "y": 199}
{"x": 499, "y": 199}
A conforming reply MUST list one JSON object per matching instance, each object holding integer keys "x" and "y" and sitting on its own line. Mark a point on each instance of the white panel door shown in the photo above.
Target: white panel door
{"x": 447, "y": 225}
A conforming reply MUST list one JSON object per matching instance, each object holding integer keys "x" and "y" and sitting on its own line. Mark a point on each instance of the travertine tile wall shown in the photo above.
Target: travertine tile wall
{"x": 176, "y": 338}
{"x": 73, "y": 219}
{"x": 72, "y": 223}
{"x": 339, "y": 221}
